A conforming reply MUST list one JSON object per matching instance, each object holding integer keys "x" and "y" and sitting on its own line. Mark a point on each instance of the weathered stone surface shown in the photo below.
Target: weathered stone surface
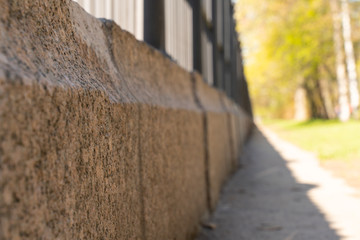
{"x": 101, "y": 137}
{"x": 171, "y": 146}
{"x": 233, "y": 130}
{"x": 219, "y": 155}
{"x": 69, "y": 165}
{"x": 240, "y": 127}
{"x": 69, "y": 143}
{"x": 174, "y": 175}
{"x": 226, "y": 127}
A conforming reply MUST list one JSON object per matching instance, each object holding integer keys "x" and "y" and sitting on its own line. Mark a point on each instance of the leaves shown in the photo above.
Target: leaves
{"x": 286, "y": 43}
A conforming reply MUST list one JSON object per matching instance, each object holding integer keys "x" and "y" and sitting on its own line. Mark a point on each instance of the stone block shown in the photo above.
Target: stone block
{"x": 219, "y": 157}
{"x": 102, "y": 136}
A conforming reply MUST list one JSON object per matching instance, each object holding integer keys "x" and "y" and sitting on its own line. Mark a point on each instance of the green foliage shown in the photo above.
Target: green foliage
{"x": 329, "y": 139}
{"x": 287, "y": 43}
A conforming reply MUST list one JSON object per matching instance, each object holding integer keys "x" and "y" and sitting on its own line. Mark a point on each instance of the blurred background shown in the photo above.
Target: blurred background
{"x": 302, "y": 62}
{"x": 301, "y": 57}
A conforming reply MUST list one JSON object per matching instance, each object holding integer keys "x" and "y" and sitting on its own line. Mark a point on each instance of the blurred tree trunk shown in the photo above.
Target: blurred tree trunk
{"x": 301, "y": 110}
{"x": 343, "y": 108}
{"x": 325, "y": 89}
{"x": 315, "y": 97}
{"x": 350, "y": 57}
{"x": 326, "y": 98}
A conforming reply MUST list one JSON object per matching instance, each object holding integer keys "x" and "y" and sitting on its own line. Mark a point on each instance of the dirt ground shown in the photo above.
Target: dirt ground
{"x": 349, "y": 171}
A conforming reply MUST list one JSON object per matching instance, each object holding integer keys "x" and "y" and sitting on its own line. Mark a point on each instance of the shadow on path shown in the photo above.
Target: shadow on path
{"x": 263, "y": 201}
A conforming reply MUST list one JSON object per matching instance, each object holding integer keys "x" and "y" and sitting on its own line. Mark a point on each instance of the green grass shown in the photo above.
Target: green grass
{"x": 329, "y": 139}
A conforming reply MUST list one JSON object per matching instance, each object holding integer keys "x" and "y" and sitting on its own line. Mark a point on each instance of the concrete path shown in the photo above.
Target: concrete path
{"x": 281, "y": 193}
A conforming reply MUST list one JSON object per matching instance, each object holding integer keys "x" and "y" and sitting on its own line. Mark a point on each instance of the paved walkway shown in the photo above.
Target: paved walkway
{"x": 281, "y": 193}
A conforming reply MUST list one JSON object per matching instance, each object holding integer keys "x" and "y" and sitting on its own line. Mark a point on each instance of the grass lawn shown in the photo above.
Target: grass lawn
{"x": 329, "y": 139}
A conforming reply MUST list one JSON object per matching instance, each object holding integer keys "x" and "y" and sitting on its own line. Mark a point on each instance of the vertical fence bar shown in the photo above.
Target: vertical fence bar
{"x": 214, "y": 43}
{"x": 226, "y": 47}
{"x": 196, "y": 35}
{"x": 154, "y": 23}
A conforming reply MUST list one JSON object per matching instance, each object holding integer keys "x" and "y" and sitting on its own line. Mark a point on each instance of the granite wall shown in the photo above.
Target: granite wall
{"x": 101, "y": 136}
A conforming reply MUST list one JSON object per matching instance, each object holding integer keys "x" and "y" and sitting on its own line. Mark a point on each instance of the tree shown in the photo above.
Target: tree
{"x": 289, "y": 46}
{"x": 350, "y": 57}
{"x": 341, "y": 76}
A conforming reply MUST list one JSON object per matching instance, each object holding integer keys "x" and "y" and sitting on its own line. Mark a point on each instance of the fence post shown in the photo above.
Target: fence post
{"x": 197, "y": 31}
{"x": 154, "y": 23}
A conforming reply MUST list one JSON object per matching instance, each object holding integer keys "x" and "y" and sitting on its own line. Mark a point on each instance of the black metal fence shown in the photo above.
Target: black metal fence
{"x": 199, "y": 35}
